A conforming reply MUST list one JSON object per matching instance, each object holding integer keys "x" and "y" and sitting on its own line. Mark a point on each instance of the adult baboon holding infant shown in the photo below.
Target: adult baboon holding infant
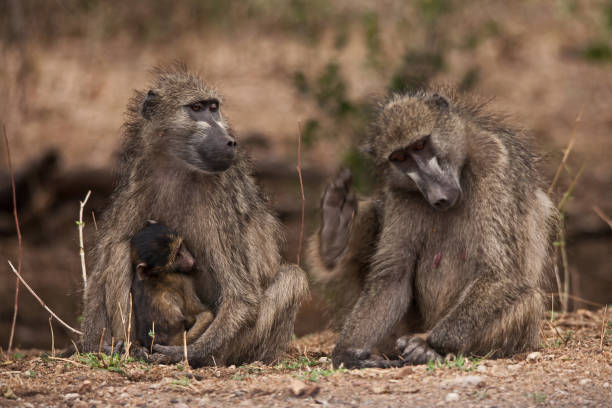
{"x": 181, "y": 166}
{"x": 456, "y": 244}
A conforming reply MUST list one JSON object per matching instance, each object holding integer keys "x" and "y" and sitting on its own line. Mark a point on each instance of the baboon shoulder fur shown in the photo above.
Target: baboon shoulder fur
{"x": 458, "y": 244}
{"x": 221, "y": 214}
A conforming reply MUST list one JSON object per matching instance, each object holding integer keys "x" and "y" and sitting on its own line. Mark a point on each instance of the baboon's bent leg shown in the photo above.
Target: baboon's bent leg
{"x": 275, "y": 322}
{"x": 503, "y": 322}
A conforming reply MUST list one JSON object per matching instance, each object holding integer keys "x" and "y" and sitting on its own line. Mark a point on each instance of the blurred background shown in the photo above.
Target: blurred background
{"x": 68, "y": 68}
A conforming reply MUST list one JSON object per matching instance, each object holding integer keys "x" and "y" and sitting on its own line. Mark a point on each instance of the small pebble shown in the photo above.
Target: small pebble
{"x": 451, "y": 396}
{"x": 606, "y": 385}
{"x": 71, "y": 396}
{"x": 584, "y": 381}
{"x": 536, "y": 355}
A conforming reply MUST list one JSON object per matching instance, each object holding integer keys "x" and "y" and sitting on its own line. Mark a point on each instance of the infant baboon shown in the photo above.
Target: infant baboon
{"x": 182, "y": 167}
{"x": 456, "y": 243}
{"x": 163, "y": 290}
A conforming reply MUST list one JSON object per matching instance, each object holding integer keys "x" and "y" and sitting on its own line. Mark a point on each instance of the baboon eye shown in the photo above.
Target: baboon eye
{"x": 398, "y": 156}
{"x": 214, "y": 106}
{"x": 420, "y": 145}
{"x": 196, "y": 107}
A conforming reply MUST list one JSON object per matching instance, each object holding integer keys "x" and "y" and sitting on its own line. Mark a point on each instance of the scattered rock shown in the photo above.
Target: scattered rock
{"x": 606, "y": 385}
{"x": 9, "y": 394}
{"x": 299, "y": 389}
{"x": 180, "y": 405}
{"x": 28, "y": 405}
{"x": 124, "y": 395}
{"x": 514, "y": 367}
{"x": 468, "y": 381}
{"x": 71, "y": 396}
{"x": 584, "y": 381}
{"x": 378, "y": 389}
{"x": 481, "y": 369}
{"x": 535, "y": 356}
{"x": 451, "y": 396}
{"x": 85, "y": 387}
{"x": 94, "y": 402}
{"x": 324, "y": 360}
{"x": 403, "y": 372}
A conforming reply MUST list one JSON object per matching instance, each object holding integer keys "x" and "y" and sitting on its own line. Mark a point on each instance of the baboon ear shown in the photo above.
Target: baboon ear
{"x": 141, "y": 270}
{"x": 439, "y": 102}
{"x": 149, "y": 104}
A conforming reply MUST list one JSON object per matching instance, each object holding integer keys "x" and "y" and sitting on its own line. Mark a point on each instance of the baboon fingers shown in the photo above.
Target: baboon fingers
{"x": 415, "y": 350}
{"x": 336, "y": 192}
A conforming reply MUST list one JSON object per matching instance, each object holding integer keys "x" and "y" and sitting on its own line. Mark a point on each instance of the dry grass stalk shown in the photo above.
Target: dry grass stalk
{"x": 52, "y": 338}
{"x": 122, "y": 320}
{"x": 570, "y": 190}
{"x": 604, "y": 324}
{"x": 75, "y": 346}
{"x": 299, "y": 171}
{"x": 43, "y": 304}
{"x": 603, "y": 216}
{"x": 568, "y": 149}
{"x": 80, "y": 225}
{"x": 128, "y": 342}
{"x": 100, "y": 345}
{"x": 93, "y": 217}
{"x": 152, "y": 337}
{"x": 185, "y": 351}
{"x": 19, "y": 257}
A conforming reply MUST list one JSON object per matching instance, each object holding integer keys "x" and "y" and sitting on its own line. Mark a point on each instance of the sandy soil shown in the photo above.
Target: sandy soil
{"x": 573, "y": 368}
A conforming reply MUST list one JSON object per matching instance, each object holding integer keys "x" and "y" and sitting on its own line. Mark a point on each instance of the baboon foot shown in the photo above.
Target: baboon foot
{"x": 338, "y": 208}
{"x": 358, "y": 358}
{"x": 415, "y": 350}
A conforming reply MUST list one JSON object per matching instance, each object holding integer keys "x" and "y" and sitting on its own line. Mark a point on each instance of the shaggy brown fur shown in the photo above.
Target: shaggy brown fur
{"x": 468, "y": 271}
{"x": 221, "y": 214}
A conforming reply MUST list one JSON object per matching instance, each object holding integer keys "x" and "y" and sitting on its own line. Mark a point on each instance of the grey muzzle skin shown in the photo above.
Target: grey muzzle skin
{"x": 219, "y": 151}
{"x": 436, "y": 179}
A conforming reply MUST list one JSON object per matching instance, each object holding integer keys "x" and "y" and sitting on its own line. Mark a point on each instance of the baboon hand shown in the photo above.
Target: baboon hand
{"x": 415, "y": 350}
{"x": 338, "y": 208}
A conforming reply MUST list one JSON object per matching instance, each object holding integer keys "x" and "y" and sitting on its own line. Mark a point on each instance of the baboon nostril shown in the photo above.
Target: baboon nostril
{"x": 441, "y": 203}
{"x": 232, "y": 143}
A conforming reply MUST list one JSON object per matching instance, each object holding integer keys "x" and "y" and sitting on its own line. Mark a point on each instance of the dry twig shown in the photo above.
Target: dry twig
{"x": 100, "y": 345}
{"x": 603, "y": 216}
{"x": 43, "y": 304}
{"x": 299, "y": 171}
{"x": 604, "y": 323}
{"x": 185, "y": 351}
{"x": 19, "y": 257}
{"x": 52, "y": 337}
{"x": 569, "y": 148}
{"x": 80, "y": 225}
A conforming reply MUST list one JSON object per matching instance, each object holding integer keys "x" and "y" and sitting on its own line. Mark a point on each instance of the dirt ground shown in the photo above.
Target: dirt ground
{"x": 573, "y": 368}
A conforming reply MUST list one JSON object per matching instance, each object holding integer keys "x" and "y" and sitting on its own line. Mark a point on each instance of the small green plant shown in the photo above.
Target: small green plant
{"x": 317, "y": 373}
{"x": 181, "y": 382}
{"x": 460, "y": 362}
{"x": 30, "y": 374}
{"x": 298, "y": 364}
{"x": 18, "y": 356}
{"x": 538, "y": 397}
{"x": 114, "y": 362}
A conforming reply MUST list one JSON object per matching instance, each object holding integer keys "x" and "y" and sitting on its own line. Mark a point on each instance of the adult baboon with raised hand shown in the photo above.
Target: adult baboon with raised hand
{"x": 456, "y": 243}
{"x": 181, "y": 166}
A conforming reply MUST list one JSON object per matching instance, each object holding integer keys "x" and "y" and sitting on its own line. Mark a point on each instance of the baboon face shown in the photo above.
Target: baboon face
{"x": 193, "y": 128}
{"x": 422, "y": 143}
